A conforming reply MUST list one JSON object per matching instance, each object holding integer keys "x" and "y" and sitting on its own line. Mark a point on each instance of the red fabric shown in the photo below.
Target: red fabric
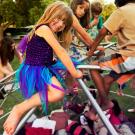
{"x": 37, "y": 131}
{"x": 115, "y": 120}
{"x": 61, "y": 119}
{"x": 75, "y": 128}
{"x": 70, "y": 125}
{"x": 78, "y": 130}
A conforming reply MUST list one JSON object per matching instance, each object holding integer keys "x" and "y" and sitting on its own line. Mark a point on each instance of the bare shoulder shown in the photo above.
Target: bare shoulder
{"x": 42, "y": 29}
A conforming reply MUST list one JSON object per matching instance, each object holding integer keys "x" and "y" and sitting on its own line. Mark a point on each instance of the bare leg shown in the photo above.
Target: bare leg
{"x": 100, "y": 84}
{"x": 132, "y": 85}
{"x": 19, "y": 110}
{"x": 108, "y": 81}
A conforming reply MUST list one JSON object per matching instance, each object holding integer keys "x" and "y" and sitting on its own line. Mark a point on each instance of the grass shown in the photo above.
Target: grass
{"x": 125, "y": 102}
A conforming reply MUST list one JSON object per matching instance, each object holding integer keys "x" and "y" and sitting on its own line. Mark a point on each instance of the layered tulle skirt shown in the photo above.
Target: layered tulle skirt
{"x": 33, "y": 79}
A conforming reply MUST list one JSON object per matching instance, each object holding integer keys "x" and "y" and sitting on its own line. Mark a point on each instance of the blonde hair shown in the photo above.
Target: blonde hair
{"x": 61, "y": 11}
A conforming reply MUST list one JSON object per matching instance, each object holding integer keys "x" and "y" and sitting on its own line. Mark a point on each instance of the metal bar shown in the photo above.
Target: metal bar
{"x": 3, "y": 102}
{"x": 8, "y": 76}
{"x": 9, "y": 82}
{"x": 79, "y": 46}
{"x": 88, "y": 67}
{"x": 126, "y": 95}
{"x": 98, "y": 109}
{"x": 107, "y": 46}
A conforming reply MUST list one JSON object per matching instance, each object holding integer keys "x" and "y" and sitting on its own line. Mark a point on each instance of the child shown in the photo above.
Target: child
{"x": 38, "y": 74}
{"x": 84, "y": 20}
{"x": 123, "y": 61}
{"x": 115, "y": 113}
{"x": 96, "y": 21}
{"x": 95, "y": 24}
{"x": 81, "y": 9}
{"x": 116, "y": 117}
{"x": 87, "y": 123}
{"x": 7, "y": 50}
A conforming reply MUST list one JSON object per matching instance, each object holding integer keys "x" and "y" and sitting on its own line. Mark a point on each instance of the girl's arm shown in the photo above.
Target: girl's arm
{"x": 83, "y": 34}
{"x": 19, "y": 55}
{"x": 46, "y": 33}
{"x": 94, "y": 22}
{"x": 9, "y": 67}
{"x": 98, "y": 39}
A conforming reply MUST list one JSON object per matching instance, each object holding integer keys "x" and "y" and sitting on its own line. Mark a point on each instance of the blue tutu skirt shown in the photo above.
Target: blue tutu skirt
{"x": 33, "y": 79}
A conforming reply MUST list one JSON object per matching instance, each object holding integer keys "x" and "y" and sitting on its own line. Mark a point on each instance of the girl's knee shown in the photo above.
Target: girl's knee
{"x": 55, "y": 96}
{"x": 59, "y": 94}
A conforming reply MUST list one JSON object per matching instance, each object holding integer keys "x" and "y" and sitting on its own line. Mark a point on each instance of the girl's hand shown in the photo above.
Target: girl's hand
{"x": 90, "y": 53}
{"x": 78, "y": 74}
{"x": 100, "y": 48}
{"x": 95, "y": 21}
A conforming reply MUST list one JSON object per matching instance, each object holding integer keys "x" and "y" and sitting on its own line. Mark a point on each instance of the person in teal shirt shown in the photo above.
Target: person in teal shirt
{"x": 96, "y": 21}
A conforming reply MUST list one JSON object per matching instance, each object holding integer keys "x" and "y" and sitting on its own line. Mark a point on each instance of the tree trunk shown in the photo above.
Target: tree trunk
{"x": 1, "y": 32}
{"x": 3, "y": 27}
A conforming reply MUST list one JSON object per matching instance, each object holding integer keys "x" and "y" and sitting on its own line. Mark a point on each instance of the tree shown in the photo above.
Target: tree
{"x": 21, "y": 12}
{"x": 23, "y": 8}
{"x": 16, "y": 13}
{"x": 107, "y": 10}
{"x": 36, "y": 12}
{"x": 7, "y": 15}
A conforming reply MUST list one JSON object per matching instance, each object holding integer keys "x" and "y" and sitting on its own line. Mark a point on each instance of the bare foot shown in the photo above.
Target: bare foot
{"x": 12, "y": 121}
{"x": 120, "y": 93}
